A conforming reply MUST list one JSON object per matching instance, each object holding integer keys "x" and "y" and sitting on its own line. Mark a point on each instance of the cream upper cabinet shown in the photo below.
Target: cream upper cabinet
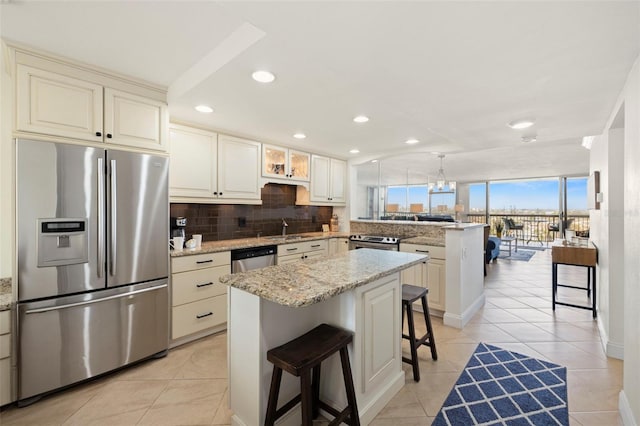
{"x": 284, "y": 163}
{"x": 55, "y": 104}
{"x": 134, "y": 121}
{"x": 328, "y": 180}
{"x": 208, "y": 167}
{"x": 192, "y": 168}
{"x": 238, "y": 168}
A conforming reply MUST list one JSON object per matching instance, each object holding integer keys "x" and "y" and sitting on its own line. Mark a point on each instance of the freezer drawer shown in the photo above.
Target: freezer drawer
{"x": 66, "y": 340}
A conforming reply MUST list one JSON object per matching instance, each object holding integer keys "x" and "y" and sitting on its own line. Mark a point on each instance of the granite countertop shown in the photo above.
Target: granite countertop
{"x": 315, "y": 280}
{"x": 226, "y": 245}
{"x": 403, "y": 222}
{"x": 6, "y": 296}
{"x": 426, "y": 241}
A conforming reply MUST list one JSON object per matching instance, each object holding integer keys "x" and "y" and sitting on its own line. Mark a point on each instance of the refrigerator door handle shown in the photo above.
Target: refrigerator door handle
{"x": 114, "y": 221}
{"x": 90, "y": 302}
{"x": 101, "y": 224}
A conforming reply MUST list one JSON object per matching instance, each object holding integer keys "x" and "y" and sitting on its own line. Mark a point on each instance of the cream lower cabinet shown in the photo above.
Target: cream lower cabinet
{"x": 52, "y": 103}
{"x": 6, "y": 395}
{"x": 430, "y": 274}
{"x": 199, "y": 301}
{"x": 338, "y": 245}
{"x": 299, "y": 252}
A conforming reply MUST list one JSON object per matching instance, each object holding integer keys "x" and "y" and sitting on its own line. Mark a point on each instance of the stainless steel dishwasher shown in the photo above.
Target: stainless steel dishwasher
{"x": 243, "y": 260}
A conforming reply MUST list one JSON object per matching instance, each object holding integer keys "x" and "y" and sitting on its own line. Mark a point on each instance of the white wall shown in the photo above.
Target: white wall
{"x": 630, "y": 396}
{"x": 607, "y": 232}
{"x": 616, "y": 153}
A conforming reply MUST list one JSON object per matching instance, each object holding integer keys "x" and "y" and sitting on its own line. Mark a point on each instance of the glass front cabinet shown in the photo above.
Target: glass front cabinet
{"x": 285, "y": 163}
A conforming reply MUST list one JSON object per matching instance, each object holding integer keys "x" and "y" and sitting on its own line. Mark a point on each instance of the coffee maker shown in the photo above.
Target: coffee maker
{"x": 177, "y": 225}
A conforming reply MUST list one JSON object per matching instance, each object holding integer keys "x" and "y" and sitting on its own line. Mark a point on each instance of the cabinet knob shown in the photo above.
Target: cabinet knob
{"x": 98, "y": 133}
{"x": 215, "y": 193}
{"x": 220, "y": 193}
{"x": 109, "y": 136}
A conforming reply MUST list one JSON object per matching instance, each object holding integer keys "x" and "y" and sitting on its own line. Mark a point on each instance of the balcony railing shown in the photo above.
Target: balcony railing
{"x": 535, "y": 226}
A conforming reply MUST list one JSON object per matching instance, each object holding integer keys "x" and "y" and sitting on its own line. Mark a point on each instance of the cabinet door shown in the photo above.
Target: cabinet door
{"x": 343, "y": 245}
{"x": 292, "y": 258}
{"x": 315, "y": 254}
{"x": 436, "y": 279}
{"x": 134, "y": 121}
{"x": 192, "y": 169}
{"x": 238, "y": 168}
{"x": 381, "y": 334}
{"x": 338, "y": 182}
{"x": 299, "y": 165}
{"x": 320, "y": 170}
{"x": 53, "y": 104}
{"x": 274, "y": 162}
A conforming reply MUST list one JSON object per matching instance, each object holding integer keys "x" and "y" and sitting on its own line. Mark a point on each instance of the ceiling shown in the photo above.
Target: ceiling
{"x": 450, "y": 74}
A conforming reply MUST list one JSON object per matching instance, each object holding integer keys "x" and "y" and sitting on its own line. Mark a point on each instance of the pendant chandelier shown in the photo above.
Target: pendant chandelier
{"x": 441, "y": 179}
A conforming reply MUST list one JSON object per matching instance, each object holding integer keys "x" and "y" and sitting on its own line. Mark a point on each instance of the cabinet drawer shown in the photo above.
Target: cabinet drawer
{"x": 433, "y": 251}
{"x": 200, "y": 261}
{"x": 305, "y": 246}
{"x": 5, "y": 346}
{"x": 5, "y": 322}
{"x": 196, "y": 285}
{"x": 292, "y": 258}
{"x": 315, "y": 245}
{"x": 198, "y": 316}
{"x": 5, "y": 381}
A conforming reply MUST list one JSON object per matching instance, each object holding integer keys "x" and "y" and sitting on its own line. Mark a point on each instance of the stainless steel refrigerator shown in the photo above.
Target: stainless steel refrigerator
{"x": 92, "y": 237}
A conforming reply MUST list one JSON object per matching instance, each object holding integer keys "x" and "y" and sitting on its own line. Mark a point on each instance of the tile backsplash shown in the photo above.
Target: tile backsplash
{"x": 229, "y": 221}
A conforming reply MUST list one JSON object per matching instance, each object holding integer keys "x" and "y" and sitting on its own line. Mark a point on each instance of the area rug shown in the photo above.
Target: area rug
{"x": 523, "y": 255}
{"x": 500, "y": 387}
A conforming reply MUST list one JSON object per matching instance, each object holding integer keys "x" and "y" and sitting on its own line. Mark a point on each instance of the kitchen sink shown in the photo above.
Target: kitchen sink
{"x": 285, "y": 238}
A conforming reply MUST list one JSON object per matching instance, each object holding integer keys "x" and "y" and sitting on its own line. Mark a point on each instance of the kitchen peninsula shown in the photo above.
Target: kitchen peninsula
{"x": 454, "y": 275}
{"x": 358, "y": 290}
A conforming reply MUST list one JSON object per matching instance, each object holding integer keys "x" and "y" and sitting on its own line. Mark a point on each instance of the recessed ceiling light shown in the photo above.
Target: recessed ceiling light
{"x": 361, "y": 119}
{"x": 299, "y": 136}
{"x": 374, "y": 161}
{"x": 521, "y": 124}
{"x": 263, "y": 76}
{"x": 411, "y": 141}
{"x": 529, "y": 138}
{"x": 354, "y": 151}
{"x": 204, "y": 108}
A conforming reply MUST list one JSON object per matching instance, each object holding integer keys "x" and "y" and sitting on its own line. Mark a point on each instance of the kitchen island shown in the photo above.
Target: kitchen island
{"x": 358, "y": 290}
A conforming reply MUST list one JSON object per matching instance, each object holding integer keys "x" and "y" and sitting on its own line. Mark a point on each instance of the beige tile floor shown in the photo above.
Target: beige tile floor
{"x": 189, "y": 386}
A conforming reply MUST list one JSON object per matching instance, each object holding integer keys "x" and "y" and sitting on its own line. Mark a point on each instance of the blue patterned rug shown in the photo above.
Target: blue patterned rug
{"x": 499, "y": 387}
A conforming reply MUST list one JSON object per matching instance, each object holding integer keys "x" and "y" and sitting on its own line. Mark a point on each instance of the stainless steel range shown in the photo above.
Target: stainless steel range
{"x": 374, "y": 242}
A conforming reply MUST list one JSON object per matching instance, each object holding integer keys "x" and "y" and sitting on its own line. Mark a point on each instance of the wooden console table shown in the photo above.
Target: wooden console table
{"x": 586, "y": 256}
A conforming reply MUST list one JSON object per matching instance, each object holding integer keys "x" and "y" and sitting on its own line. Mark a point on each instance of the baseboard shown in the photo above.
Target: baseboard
{"x": 235, "y": 421}
{"x": 625, "y": 410}
{"x": 613, "y": 350}
{"x": 459, "y": 321}
{"x": 195, "y": 336}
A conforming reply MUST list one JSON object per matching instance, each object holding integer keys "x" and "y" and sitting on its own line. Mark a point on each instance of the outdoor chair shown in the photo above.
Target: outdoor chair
{"x": 512, "y": 228}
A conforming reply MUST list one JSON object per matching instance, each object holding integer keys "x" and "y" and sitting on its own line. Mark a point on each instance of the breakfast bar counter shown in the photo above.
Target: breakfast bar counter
{"x": 359, "y": 290}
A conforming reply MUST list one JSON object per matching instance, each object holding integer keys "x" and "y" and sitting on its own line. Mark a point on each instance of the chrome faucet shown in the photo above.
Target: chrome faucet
{"x": 284, "y": 227}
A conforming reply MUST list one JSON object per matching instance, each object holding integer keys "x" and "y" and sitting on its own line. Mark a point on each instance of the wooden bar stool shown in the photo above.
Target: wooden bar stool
{"x": 300, "y": 357}
{"x": 410, "y": 294}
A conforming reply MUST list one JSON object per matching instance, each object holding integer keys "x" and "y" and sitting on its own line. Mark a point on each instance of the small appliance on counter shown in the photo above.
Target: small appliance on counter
{"x": 177, "y": 226}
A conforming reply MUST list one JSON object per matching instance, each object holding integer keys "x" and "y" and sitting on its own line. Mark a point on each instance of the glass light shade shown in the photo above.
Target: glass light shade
{"x": 452, "y": 185}
{"x": 440, "y": 184}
